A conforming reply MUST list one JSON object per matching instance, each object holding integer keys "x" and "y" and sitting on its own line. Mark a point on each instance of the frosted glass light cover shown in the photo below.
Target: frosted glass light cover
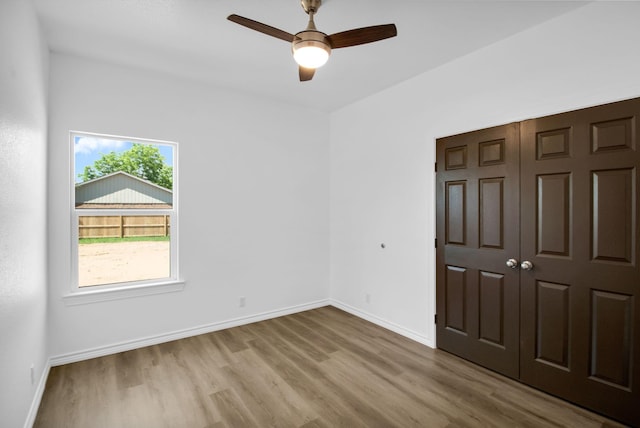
{"x": 310, "y": 56}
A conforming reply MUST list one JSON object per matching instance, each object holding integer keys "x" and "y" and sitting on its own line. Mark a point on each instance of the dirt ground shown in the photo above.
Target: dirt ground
{"x": 123, "y": 261}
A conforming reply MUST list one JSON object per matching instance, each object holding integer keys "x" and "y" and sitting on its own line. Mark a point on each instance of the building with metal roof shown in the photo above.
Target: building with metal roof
{"x": 122, "y": 190}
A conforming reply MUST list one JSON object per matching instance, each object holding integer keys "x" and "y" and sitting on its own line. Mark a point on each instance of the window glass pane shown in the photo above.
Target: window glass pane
{"x": 123, "y": 248}
{"x": 112, "y": 177}
{"x": 121, "y": 174}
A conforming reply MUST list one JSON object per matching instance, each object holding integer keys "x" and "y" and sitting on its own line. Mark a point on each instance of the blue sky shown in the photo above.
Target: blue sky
{"x": 88, "y": 149}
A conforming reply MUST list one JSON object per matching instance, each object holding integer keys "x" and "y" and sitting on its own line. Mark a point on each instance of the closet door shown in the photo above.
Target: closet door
{"x": 477, "y": 232}
{"x": 580, "y": 300}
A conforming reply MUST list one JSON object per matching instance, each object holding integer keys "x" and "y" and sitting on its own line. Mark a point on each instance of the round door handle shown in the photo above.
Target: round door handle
{"x": 512, "y": 263}
{"x": 526, "y": 265}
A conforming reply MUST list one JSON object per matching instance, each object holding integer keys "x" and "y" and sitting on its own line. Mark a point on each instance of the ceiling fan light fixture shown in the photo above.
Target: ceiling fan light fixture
{"x": 309, "y": 55}
{"x": 310, "y": 50}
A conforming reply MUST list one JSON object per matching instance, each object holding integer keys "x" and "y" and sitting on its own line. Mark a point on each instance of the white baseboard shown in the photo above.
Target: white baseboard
{"x": 37, "y": 397}
{"x": 417, "y": 337}
{"x": 180, "y": 334}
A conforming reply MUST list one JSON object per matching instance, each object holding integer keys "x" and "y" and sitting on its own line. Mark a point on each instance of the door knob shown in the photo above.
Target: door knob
{"x": 526, "y": 265}
{"x": 512, "y": 263}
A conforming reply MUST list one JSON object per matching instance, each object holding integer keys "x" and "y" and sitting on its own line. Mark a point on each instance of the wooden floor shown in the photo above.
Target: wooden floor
{"x": 321, "y": 368}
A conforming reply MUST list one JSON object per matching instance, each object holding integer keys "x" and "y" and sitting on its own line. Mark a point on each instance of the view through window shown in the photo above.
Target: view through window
{"x": 124, "y": 209}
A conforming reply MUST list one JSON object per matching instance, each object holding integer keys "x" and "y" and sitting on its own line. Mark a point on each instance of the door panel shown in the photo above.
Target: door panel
{"x": 613, "y": 214}
{"x": 491, "y": 303}
{"x": 477, "y": 226}
{"x": 455, "y": 211}
{"x": 553, "y": 223}
{"x": 552, "y": 324}
{"x": 611, "y": 339}
{"x": 579, "y": 304}
{"x": 456, "y": 299}
{"x": 491, "y": 213}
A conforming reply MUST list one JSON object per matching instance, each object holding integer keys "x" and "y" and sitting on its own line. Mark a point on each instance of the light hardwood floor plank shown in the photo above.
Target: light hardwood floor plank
{"x": 316, "y": 369}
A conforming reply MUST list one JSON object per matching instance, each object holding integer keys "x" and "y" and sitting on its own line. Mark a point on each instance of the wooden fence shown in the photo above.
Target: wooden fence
{"x": 121, "y": 226}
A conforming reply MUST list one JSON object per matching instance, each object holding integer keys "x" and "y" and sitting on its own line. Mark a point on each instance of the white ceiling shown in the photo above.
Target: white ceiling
{"x": 193, "y": 39}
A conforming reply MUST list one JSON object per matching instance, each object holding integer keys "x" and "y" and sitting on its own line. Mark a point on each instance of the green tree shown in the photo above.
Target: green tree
{"x": 141, "y": 160}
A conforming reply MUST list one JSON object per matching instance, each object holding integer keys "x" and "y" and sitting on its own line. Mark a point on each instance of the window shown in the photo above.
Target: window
{"x": 124, "y": 213}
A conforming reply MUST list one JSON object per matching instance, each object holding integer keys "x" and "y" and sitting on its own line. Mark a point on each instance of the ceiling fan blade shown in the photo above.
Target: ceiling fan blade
{"x": 360, "y": 36}
{"x": 306, "y": 73}
{"x": 263, "y": 28}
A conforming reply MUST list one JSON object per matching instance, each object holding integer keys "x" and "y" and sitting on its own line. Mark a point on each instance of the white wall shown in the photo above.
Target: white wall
{"x": 383, "y": 148}
{"x": 23, "y": 202}
{"x": 253, "y": 197}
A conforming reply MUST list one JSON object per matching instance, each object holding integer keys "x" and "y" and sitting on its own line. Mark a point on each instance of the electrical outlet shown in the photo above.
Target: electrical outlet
{"x": 367, "y": 298}
{"x": 33, "y": 374}
{"x": 243, "y": 301}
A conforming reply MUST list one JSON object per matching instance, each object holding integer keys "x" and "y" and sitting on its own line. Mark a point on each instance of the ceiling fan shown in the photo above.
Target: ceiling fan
{"x": 311, "y": 48}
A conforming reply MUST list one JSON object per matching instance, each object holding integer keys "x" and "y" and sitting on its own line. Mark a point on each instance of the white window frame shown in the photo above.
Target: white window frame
{"x": 122, "y": 290}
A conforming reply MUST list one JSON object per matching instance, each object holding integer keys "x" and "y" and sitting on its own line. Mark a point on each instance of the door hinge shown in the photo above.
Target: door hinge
{"x": 435, "y": 318}
{"x": 436, "y": 242}
{"x": 435, "y": 169}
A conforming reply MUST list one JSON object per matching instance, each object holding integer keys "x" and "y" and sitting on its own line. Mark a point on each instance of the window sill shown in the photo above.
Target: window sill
{"x": 94, "y": 296}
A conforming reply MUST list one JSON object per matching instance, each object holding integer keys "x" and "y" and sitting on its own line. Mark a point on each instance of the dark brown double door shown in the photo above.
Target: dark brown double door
{"x": 557, "y": 197}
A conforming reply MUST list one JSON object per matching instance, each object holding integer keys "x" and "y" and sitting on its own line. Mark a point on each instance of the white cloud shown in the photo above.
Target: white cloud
{"x": 87, "y": 145}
